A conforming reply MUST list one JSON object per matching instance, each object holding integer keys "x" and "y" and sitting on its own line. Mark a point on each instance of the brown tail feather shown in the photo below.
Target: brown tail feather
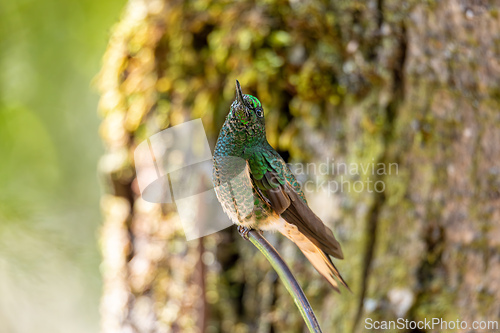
{"x": 318, "y": 258}
{"x": 299, "y": 214}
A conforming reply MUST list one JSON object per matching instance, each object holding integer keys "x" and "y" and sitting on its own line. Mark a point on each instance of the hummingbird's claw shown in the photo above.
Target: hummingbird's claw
{"x": 244, "y": 231}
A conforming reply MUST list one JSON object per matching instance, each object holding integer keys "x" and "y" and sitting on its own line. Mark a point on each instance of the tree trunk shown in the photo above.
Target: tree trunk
{"x": 406, "y": 92}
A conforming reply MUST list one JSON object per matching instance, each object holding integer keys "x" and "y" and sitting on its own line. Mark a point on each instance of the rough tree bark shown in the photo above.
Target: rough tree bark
{"x": 412, "y": 83}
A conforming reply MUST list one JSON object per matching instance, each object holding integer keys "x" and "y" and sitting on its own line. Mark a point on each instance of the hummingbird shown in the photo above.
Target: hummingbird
{"x": 258, "y": 191}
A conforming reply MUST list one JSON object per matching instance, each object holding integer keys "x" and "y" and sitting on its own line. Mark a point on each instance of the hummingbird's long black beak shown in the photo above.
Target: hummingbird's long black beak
{"x": 239, "y": 94}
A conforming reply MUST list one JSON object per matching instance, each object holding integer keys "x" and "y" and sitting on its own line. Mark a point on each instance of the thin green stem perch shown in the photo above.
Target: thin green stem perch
{"x": 288, "y": 279}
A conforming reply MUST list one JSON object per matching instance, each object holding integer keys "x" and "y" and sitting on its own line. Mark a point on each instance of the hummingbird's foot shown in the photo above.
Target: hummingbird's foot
{"x": 244, "y": 231}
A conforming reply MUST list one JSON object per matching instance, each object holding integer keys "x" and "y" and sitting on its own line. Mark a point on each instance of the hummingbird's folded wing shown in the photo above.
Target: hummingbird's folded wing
{"x": 287, "y": 202}
{"x": 302, "y": 226}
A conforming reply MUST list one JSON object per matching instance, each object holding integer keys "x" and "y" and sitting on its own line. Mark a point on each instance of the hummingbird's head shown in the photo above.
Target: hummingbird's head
{"x": 247, "y": 114}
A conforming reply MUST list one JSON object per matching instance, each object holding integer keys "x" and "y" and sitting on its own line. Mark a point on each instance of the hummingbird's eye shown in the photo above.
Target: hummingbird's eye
{"x": 259, "y": 113}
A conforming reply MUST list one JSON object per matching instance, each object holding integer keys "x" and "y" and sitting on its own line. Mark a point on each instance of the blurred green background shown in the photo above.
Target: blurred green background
{"x": 49, "y": 193}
